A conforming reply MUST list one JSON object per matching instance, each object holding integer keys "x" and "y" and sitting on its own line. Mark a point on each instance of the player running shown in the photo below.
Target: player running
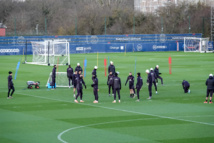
{"x": 79, "y": 87}
{"x": 186, "y": 86}
{"x": 210, "y": 88}
{"x": 10, "y": 86}
{"x": 69, "y": 75}
{"x": 117, "y": 87}
{"x": 139, "y": 86}
{"x": 130, "y": 78}
{"x": 95, "y": 88}
{"x": 110, "y": 83}
{"x": 156, "y": 70}
{"x": 111, "y": 68}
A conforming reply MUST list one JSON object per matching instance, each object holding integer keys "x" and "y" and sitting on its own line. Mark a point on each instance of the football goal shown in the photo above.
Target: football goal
{"x": 61, "y": 80}
{"x": 49, "y": 52}
{"x": 194, "y": 44}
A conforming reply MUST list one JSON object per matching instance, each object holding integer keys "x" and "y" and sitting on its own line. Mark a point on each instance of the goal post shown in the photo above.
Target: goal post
{"x": 194, "y": 44}
{"x": 50, "y": 52}
{"x": 61, "y": 80}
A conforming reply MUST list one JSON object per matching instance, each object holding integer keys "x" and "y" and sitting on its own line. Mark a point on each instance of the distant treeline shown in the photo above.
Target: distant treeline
{"x": 98, "y": 17}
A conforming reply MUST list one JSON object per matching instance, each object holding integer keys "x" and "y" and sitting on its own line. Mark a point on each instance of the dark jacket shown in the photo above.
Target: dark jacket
{"x": 80, "y": 82}
{"x": 110, "y": 79}
{"x": 210, "y": 83}
{"x": 185, "y": 83}
{"x": 94, "y": 72}
{"x": 130, "y": 78}
{"x": 116, "y": 83}
{"x": 139, "y": 82}
{"x": 54, "y": 73}
{"x": 156, "y": 70}
{"x": 78, "y": 68}
{"x": 74, "y": 79}
{"x": 69, "y": 72}
{"x": 153, "y": 77}
{"x": 95, "y": 83}
{"x": 111, "y": 68}
{"x": 10, "y": 81}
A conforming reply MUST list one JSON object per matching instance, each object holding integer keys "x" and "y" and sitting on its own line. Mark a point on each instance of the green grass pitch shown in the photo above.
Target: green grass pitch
{"x": 51, "y": 116}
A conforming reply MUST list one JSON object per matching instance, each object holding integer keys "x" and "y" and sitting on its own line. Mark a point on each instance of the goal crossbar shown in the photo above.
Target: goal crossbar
{"x": 195, "y": 44}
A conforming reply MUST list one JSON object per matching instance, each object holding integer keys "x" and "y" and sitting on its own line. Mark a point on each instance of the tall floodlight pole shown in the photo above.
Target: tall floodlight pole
{"x": 105, "y": 25}
{"x": 15, "y": 27}
{"x": 161, "y": 24}
{"x": 212, "y": 22}
{"x": 76, "y": 26}
{"x": 37, "y": 28}
{"x": 189, "y": 25}
{"x": 45, "y": 25}
{"x": 134, "y": 25}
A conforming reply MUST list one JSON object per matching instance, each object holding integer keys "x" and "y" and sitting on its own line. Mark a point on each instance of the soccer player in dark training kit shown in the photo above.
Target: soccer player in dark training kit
{"x": 156, "y": 70}
{"x": 69, "y": 75}
{"x": 79, "y": 87}
{"x": 117, "y": 87}
{"x": 78, "y": 68}
{"x": 95, "y": 88}
{"x": 186, "y": 86}
{"x": 110, "y": 83}
{"x": 10, "y": 86}
{"x": 152, "y": 73}
{"x": 94, "y": 72}
{"x": 111, "y": 68}
{"x": 54, "y": 77}
{"x": 74, "y": 82}
{"x": 210, "y": 88}
{"x": 130, "y": 78}
{"x": 149, "y": 83}
{"x": 139, "y": 85}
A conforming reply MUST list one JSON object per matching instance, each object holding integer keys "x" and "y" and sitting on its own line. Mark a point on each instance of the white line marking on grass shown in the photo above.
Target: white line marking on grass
{"x": 65, "y": 131}
{"x": 159, "y": 116}
{"x": 134, "y": 112}
{"x": 195, "y": 116}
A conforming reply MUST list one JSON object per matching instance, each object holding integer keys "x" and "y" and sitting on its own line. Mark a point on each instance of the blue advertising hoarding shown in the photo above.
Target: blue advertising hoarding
{"x": 100, "y": 43}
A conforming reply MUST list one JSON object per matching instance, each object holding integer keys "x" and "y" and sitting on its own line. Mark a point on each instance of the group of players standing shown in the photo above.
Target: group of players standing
{"x": 113, "y": 82}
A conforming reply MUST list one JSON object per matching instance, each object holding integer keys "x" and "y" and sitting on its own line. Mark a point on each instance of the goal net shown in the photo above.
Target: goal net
{"x": 61, "y": 80}
{"x": 50, "y": 52}
{"x": 193, "y": 44}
